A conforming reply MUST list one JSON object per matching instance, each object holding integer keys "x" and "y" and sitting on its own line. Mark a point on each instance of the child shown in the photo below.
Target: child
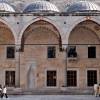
{"x": 4, "y": 92}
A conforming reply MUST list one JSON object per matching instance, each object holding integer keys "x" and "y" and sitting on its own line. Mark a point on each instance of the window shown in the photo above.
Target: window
{"x": 51, "y": 52}
{"x": 10, "y": 52}
{"x": 91, "y": 52}
{"x": 51, "y": 78}
{"x": 72, "y": 51}
{"x": 10, "y": 78}
{"x": 91, "y": 77}
{"x": 72, "y": 78}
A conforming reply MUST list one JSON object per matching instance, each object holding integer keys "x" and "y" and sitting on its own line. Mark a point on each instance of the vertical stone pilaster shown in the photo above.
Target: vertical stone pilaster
{"x": 65, "y": 57}
{"x": 99, "y": 74}
{"x": 17, "y": 75}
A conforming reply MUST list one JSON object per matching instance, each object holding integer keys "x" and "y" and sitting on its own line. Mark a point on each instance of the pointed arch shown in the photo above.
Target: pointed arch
{"x": 77, "y": 23}
{"x": 10, "y": 28}
{"x": 39, "y": 19}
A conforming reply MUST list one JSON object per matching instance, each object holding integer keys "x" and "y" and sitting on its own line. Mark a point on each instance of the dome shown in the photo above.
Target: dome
{"x": 41, "y": 6}
{"x": 5, "y": 7}
{"x": 83, "y": 6}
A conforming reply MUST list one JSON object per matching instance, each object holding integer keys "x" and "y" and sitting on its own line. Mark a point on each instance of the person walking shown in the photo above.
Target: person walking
{"x": 96, "y": 90}
{"x": 0, "y": 90}
{"x": 4, "y": 92}
{"x": 99, "y": 89}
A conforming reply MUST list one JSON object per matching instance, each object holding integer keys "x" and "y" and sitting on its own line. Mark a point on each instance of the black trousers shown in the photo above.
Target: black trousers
{"x": 4, "y": 94}
{"x": 0, "y": 94}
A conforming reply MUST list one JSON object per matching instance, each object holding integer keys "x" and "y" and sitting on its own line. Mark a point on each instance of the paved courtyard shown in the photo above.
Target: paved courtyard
{"x": 52, "y": 97}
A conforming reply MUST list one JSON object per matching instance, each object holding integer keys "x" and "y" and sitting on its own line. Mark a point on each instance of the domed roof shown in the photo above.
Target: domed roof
{"x": 82, "y": 6}
{"x": 5, "y": 7}
{"x": 41, "y": 6}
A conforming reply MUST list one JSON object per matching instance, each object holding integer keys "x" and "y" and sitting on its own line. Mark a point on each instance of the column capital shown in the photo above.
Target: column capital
{"x": 18, "y": 48}
{"x": 64, "y": 47}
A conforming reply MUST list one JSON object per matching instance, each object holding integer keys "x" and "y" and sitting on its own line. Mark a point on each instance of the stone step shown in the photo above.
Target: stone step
{"x": 19, "y": 91}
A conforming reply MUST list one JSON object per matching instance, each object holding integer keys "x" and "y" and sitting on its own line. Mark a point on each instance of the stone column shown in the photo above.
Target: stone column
{"x": 17, "y": 75}
{"x": 65, "y": 58}
{"x": 99, "y": 74}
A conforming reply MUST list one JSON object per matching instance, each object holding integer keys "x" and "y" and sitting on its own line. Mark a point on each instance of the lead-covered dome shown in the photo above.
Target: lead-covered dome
{"x": 41, "y": 6}
{"x": 83, "y": 6}
{"x": 6, "y": 7}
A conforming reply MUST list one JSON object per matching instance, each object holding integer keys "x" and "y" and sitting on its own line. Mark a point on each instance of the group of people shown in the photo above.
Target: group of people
{"x": 97, "y": 90}
{"x": 3, "y": 91}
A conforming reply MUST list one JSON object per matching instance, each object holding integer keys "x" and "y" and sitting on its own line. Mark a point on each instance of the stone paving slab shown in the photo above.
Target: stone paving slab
{"x": 51, "y": 97}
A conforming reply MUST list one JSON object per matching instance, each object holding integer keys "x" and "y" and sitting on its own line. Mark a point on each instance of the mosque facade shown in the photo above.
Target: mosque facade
{"x": 48, "y": 46}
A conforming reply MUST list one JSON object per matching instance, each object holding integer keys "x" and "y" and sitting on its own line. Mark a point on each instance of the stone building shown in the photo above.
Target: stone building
{"x": 43, "y": 47}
